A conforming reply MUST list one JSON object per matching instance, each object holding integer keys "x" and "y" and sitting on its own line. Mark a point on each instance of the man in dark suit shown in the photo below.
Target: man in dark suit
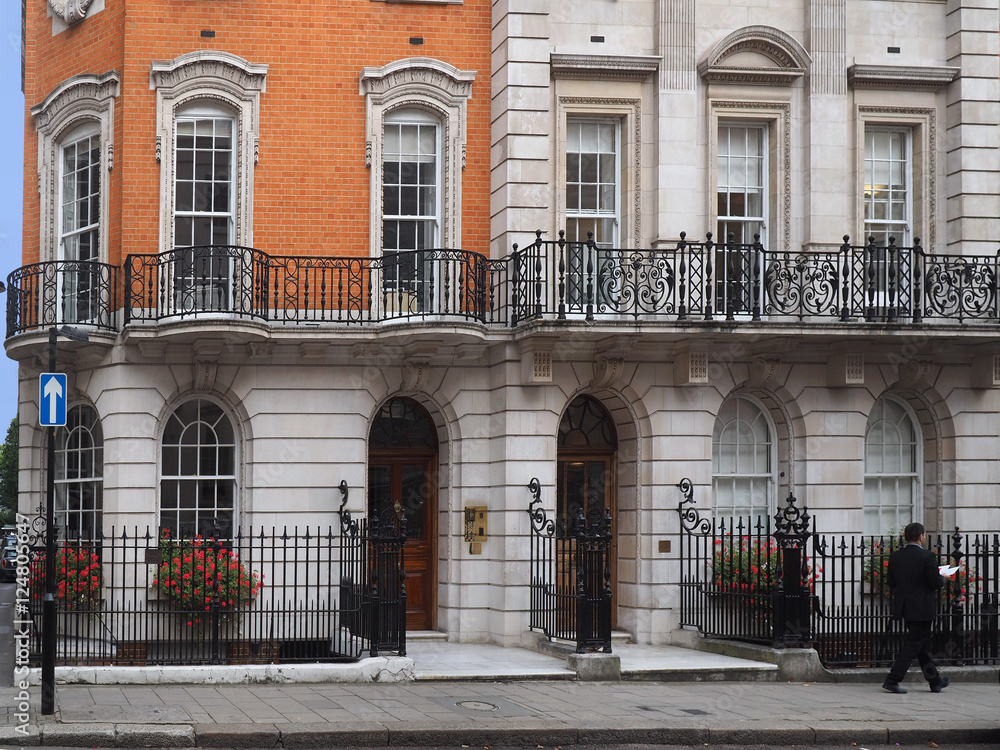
{"x": 914, "y": 581}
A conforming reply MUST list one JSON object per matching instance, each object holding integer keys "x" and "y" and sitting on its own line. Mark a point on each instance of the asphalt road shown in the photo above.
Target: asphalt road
{"x": 944, "y": 746}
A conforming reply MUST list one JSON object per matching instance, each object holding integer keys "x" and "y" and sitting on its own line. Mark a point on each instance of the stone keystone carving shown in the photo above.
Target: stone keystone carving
{"x": 70, "y": 11}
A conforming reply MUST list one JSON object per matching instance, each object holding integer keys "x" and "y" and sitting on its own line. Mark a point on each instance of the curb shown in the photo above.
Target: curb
{"x": 373, "y": 734}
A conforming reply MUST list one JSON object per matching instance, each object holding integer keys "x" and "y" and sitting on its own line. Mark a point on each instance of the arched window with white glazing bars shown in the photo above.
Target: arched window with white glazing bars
{"x": 892, "y": 467}
{"x": 743, "y": 481}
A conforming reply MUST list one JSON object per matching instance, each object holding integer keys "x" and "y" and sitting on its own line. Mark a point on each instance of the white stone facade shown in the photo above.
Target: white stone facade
{"x": 303, "y": 400}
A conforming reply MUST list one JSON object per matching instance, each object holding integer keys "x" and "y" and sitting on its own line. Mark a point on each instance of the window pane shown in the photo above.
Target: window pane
{"x": 204, "y": 488}
{"x": 887, "y": 191}
{"x": 592, "y": 184}
{"x": 741, "y": 460}
{"x": 410, "y": 186}
{"x": 78, "y": 475}
{"x": 891, "y": 468}
{"x": 203, "y": 186}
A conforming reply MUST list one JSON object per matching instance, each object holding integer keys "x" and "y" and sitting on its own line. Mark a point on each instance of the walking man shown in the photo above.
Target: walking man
{"x": 914, "y": 581}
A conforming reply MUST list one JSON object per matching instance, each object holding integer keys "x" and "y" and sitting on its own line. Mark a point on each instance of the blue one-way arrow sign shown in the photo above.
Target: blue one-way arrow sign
{"x": 52, "y": 409}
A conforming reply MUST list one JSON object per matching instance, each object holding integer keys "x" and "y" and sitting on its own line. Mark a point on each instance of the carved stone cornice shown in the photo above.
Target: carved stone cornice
{"x": 215, "y": 66}
{"x": 616, "y": 67}
{"x": 789, "y": 59}
{"x": 910, "y": 77}
{"x": 70, "y": 11}
{"x": 85, "y": 90}
{"x": 417, "y": 71}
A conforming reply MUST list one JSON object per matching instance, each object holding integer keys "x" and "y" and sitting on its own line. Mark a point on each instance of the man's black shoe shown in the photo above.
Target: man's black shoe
{"x": 893, "y": 687}
{"x": 940, "y": 685}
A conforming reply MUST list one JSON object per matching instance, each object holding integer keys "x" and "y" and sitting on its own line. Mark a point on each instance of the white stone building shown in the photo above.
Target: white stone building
{"x": 864, "y": 381}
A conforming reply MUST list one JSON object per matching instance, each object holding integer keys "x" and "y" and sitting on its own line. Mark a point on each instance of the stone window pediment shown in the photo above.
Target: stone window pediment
{"x": 755, "y": 55}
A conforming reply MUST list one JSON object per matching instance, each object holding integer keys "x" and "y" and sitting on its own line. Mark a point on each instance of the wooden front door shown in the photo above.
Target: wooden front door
{"x": 587, "y": 473}
{"x": 586, "y": 483}
{"x": 405, "y": 484}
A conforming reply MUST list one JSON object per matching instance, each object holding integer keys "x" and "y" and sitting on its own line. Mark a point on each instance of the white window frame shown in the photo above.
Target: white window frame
{"x": 79, "y": 437}
{"x": 202, "y": 278}
{"x": 921, "y": 122}
{"x": 209, "y": 78}
{"x": 900, "y": 229}
{"x": 575, "y": 103}
{"x": 202, "y": 513}
{"x": 744, "y": 408}
{"x": 880, "y": 483}
{"x": 600, "y": 213}
{"x": 406, "y": 274}
{"x": 745, "y": 221}
{"x": 578, "y": 263}
{"x": 775, "y": 117}
{"x": 78, "y": 281}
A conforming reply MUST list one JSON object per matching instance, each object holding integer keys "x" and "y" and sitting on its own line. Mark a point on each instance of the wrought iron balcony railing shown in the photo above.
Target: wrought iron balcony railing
{"x": 730, "y": 281}
{"x": 548, "y": 279}
{"x": 41, "y": 295}
{"x": 247, "y": 283}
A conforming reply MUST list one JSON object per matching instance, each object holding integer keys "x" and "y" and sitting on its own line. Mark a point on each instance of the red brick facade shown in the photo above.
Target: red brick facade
{"x": 311, "y": 185}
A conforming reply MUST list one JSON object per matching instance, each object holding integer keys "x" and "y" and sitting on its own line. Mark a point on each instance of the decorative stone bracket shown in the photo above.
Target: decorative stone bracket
{"x": 70, "y": 11}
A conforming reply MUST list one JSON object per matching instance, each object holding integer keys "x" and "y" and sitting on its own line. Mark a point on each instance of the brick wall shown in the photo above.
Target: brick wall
{"x": 311, "y": 185}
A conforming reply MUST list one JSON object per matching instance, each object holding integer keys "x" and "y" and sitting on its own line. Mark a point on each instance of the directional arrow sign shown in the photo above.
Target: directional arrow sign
{"x": 52, "y": 409}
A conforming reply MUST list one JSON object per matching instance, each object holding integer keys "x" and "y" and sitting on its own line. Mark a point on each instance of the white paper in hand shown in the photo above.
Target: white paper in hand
{"x": 947, "y": 570}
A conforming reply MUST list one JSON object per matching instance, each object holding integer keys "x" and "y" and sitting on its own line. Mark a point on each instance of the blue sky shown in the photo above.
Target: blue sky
{"x": 11, "y": 180}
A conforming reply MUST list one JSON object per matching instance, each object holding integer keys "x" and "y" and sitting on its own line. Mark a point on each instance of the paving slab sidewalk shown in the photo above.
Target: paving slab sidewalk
{"x": 531, "y": 712}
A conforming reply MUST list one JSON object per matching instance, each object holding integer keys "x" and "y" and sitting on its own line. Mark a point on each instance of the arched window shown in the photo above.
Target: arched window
{"x": 208, "y": 114}
{"x": 586, "y": 460}
{"x": 742, "y": 461}
{"x": 411, "y": 205}
{"x": 75, "y": 125}
{"x": 79, "y": 482}
{"x": 198, "y": 471}
{"x": 80, "y": 220}
{"x": 892, "y": 468}
{"x": 204, "y": 195}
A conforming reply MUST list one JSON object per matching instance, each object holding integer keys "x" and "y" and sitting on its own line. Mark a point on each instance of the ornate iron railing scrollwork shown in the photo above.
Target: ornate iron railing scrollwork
{"x": 540, "y": 522}
{"x": 691, "y": 520}
{"x": 348, "y": 525}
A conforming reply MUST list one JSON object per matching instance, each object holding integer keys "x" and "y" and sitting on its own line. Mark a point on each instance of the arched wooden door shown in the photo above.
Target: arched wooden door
{"x": 402, "y": 475}
{"x": 587, "y": 470}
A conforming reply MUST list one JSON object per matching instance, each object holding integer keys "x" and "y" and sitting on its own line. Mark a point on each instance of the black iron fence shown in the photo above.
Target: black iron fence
{"x": 688, "y": 281}
{"x": 781, "y": 582}
{"x": 288, "y": 595}
{"x": 571, "y": 575}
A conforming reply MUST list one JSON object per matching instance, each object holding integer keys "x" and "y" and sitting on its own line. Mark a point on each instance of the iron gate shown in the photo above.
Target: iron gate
{"x": 571, "y": 575}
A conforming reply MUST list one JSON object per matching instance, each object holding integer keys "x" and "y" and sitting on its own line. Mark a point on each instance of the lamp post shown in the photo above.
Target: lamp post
{"x": 49, "y": 602}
